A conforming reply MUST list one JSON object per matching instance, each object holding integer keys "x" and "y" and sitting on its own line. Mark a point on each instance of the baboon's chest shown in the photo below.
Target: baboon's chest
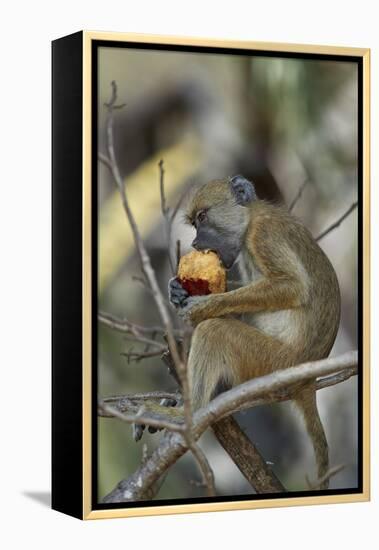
{"x": 248, "y": 269}
{"x": 282, "y": 324}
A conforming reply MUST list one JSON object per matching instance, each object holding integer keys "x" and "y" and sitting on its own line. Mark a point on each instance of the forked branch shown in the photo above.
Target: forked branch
{"x": 258, "y": 391}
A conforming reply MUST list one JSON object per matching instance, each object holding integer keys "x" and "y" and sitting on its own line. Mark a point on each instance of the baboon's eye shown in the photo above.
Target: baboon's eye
{"x": 201, "y": 216}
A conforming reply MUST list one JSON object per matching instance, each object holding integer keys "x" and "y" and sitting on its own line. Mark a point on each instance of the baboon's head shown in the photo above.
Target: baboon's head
{"x": 219, "y": 212}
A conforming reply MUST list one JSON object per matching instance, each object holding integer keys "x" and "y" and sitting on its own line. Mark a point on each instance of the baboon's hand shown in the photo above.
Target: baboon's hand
{"x": 189, "y": 308}
{"x": 177, "y": 295}
{"x": 194, "y": 309}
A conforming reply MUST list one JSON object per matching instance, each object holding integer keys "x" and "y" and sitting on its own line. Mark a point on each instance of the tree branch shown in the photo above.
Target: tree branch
{"x": 330, "y": 473}
{"x": 122, "y": 402}
{"x": 246, "y": 456}
{"x": 139, "y": 417}
{"x": 298, "y": 195}
{"x": 338, "y": 222}
{"x": 117, "y": 399}
{"x": 149, "y": 273}
{"x": 258, "y": 391}
{"x": 123, "y": 325}
{"x": 138, "y": 334}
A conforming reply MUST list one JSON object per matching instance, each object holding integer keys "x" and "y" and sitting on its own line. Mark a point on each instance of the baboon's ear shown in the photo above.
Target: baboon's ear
{"x": 243, "y": 190}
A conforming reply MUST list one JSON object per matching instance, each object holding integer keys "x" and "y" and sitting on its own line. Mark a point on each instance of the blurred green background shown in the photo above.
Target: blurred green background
{"x": 278, "y": 121}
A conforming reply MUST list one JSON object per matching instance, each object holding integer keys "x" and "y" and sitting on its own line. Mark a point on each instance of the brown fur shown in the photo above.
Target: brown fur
{"x": 286, "y": 314}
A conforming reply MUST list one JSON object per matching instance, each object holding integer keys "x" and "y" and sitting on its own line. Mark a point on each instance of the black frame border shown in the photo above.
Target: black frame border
{"x": 67, "y": 261}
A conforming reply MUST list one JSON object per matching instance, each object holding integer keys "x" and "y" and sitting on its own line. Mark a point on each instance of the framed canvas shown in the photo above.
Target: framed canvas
{"x": 210, "y": 275}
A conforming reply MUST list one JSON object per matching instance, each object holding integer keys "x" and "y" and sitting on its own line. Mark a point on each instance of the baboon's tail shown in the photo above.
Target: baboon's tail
{"x": 306, "y": 402}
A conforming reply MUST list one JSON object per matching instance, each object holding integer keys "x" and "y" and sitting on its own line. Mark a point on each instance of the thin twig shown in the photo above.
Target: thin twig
{"x": 178, "y": 253}
{"x": 148, "y": 341}
{"x": 139, "y": 355}
{"x": 125, "y": 326}
{"x": 336, "y": 378}
{"x": 298, "y": 195}
{"x": 338, "y": 222}
{"x": 208, "y": 477}
{"x": 164, "y": 207}
{"x": 137, "y": 333}
{"x": 112, "y": 105}
{"x": 181, "y": 367}
{"x": 166, "y": 214}
{"x": 105, "y": 160}
{"x": 330, "y": 473}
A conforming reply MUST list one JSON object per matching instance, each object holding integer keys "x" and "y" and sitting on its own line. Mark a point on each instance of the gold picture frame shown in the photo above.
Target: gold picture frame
{"x": 73, "y": 56}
